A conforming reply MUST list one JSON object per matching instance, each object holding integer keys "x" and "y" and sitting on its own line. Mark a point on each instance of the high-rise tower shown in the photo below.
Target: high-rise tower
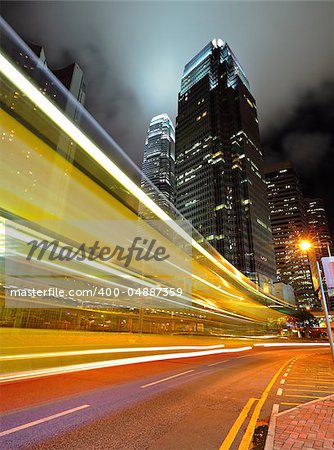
{"x": 289, "y": 225}
{"x": 220, "y": 185}
{"x": 159, "y": 162}
{"x": 318, "y": 227}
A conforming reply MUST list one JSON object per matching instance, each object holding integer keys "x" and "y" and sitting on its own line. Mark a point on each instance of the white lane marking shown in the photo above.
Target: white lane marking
{"x": 286, "y": 374}
{"x": 45, "y": 419}
{"x": 219, "y": 362}
{"x": 279, "y": 391}
{"x": 282, "y": 381}
{"x": 288, "y": 370}
{"x": 166, "y": 379}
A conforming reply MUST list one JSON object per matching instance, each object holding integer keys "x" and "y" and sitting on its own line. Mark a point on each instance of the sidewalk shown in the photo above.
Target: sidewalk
{"x": 303, "y": 410}
{"x": 309, "y": 426}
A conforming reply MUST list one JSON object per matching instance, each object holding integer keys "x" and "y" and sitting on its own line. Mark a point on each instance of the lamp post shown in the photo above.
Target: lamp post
{"x": 305, "y": 246}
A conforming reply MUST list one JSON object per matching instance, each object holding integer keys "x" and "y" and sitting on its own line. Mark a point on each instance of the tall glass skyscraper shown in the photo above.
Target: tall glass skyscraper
{"x": 158, "y": 169}
{"x": 220, "y": 185}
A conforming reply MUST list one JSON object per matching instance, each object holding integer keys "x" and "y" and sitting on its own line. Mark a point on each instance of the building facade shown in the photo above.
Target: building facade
{"x": 318, "y": 227}
{"x": 320, "y": 237}
{"x": 284, "y": 292}
{"x": 220, "y": 185}
{"x": 289, "y": 226}
{"x": 158, "y": 169}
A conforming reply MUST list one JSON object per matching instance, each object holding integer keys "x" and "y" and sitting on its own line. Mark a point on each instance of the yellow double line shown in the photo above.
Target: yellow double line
{"x": 237, "y": 424}
{"x": 247, "y": 437}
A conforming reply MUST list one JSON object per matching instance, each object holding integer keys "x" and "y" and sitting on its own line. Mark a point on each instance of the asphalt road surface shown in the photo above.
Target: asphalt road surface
{"x": 181, "y": 404}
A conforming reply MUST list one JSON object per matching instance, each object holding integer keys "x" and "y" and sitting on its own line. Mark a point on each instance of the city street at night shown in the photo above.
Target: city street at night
{"x": 166, "y": 225}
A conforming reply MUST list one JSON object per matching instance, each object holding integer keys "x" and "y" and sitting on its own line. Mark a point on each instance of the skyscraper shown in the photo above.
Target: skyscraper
{"x": 318, "y": 227}
{"x": 159, "y": 162}
{"x": 220, "y": 186}
{"x": 289, "y": 225}
{"x": 319, "y": 235}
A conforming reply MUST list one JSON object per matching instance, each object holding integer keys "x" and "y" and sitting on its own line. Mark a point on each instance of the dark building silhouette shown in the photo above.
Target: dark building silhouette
{"x": 289, "y": 226}
{"x": 31, "y": 59}
{"x": 220, "y": 185}
{"x": 73, "y": 79}
{"x": 71, "y": 76}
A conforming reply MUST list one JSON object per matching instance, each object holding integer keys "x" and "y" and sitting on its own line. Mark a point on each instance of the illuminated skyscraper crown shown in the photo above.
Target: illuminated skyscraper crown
{"x": 163, "y": 126}
{"x": 203, "y": 64}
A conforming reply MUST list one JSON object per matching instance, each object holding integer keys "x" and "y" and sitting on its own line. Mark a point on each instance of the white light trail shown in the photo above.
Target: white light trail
{"x": 301, "y": 344}
{"x": 107, "y": 351}
{"x": 38, "y": 373}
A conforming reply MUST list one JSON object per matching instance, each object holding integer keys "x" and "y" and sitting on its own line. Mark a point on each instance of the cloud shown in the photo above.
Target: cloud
{"x": 306, "y": 136}
{"x": 307, "y": 150}
{"x": 133, "y": 53}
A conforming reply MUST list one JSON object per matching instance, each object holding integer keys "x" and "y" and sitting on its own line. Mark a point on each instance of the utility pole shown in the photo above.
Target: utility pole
{"x": 325, "y": 309}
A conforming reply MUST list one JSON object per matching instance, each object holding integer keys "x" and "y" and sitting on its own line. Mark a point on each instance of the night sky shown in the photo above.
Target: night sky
{"x": 133, "y": 55}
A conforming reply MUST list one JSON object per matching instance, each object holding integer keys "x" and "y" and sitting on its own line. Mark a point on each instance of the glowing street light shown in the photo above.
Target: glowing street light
{"x": 305, "y": 245}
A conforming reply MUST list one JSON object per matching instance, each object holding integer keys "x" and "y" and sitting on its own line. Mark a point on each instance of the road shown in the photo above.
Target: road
{"x": 179, "y": 404}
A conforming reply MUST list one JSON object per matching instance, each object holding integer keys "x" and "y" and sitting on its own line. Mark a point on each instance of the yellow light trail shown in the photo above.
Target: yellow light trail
{"x": 56, "y": 116}
{"x": 107, "y": 269}
{"x": 81, "y": 180}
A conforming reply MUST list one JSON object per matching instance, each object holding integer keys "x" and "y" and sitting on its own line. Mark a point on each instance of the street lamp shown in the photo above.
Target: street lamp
{"x": 305, "y": 246}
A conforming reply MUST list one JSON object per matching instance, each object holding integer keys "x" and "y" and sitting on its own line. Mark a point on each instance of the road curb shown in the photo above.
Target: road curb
{"x": 271, "y": 429}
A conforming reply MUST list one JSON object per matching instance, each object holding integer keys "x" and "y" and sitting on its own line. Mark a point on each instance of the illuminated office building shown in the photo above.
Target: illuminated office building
{"x": 320, "y": 236}
{"x": 159, "y": 162}
{"x": 318, "y": 227}
{"x": 220, "y": 186}
{"x": 289, "y": 226}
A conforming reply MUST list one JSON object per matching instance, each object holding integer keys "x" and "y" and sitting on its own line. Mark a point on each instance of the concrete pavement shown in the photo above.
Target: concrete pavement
{"x": 310, "y": 426}
{"x": 303, "y": 412}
